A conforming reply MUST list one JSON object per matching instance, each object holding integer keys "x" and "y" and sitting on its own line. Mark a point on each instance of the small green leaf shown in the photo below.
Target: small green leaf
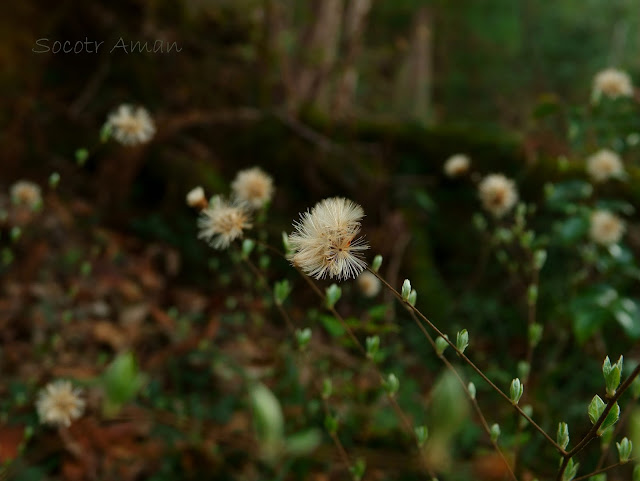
{"x": 333, "y": 326}
{"x": 535, "y": 334}
{"x": 596, "y": 408}
{"x": 413, "y": 296}
{"x": 627, "y": 312}
{"x": 333, "y": 294}
{"x": 373, "y": 344}
{"x": 358, "y": 469}
{"x": 406, "y": 289}
{"x": 572, "y": 230}
{"x": 612, "y": 374}
{"x": 441, "y": 345}
{"x": 267, "y": 415}
{"x": 303, "y": 337}
{"x": 247, "y": 247}
{"x": 625, "y": 448}
{"x": 281, "y": 291}
{"x": 562, "y": 437}
{"x": 377, "y": 262}
{"x": 495, "y": 432}
{"x": 516, "y": 390}
{"x": 285, "y": 243}
{"x": 422, "y": 434}
{"x": 611, "y": 418}
{"x": 331, "y": 424}
{"x": 327, "y": 388}
{"x": 54, "y": 180}
{"x": 472, "y": 390}
{"x": 302, "y": 443}
{"x": 122, "y": 381}
{"x": 81, "y": 156}
{"x": 462, "y": 340}
{"x": 571, "y": 470}
{"x": 391, "y": 384}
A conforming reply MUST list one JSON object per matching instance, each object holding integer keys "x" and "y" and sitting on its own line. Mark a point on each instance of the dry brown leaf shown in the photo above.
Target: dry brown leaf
{"x": 134, "y": 315}
{"x": 10, "y": 439}
{"x": 108, "y": 333}
{"x": 490, "y": 467}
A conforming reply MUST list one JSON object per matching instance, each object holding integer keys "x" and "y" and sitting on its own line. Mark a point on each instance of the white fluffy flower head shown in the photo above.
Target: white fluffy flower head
{"x": 604, "y": 165}
{"x": 325, "y": 242}
{"x": 613, "y": 83}
{"x": 457, "y": 165}
{"x": 369, "y": 284}
{"x": 196, "y": 198}
{"x": 498, "y": 194}
{"x": 131, "y": 125}
{"x": 59, "y": 403}
{"x": 26, "y": 193}
{"x": 252, "y": 186}
{"x": 223, "y": 222}
{"x": 606, "y": 228}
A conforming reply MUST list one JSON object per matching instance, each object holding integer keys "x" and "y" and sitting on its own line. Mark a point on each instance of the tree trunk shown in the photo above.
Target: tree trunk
{"x": 413, "y": 85}
{"x": 320, "y": 42}
{"x": 347, "y": 76}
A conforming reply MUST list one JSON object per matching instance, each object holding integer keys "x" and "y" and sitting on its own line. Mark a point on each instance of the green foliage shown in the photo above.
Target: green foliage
{"x": 268, "y": 422}
{"x": 122, "y": 380}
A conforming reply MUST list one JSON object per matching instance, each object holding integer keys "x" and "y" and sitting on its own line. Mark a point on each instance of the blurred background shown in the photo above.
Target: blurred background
{"x": 360, "y": 98}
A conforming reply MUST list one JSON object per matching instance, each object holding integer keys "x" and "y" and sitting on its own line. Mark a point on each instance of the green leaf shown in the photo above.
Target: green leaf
{"x": 281, "y": 290}
{"x": 563, "y": 193}
{"x": 617, "y": 206}
{"x": 627, "y": 312}
{"x": 571, "y": 471}
{"x": 378, "y": 312}
{"x": 596, "y": 408}
{"x": 81, "y": 156}
{"x": 303, "y": 443}
{"x": 572, "y": 230}
{"x": 268, "y": 420}
{"x": 424, "y": 200}
{"x": 587, "y": 322}
{"x": 591, "y": 309}
{"x": 122, "y": 381}
{"x": 333, "y": 294}
{"x": 611, "y": 418}
{"x": 332, "y": 325}
{"x": 562, "y": 437}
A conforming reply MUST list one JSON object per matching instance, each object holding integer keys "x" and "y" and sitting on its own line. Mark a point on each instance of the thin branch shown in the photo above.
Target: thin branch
{"x": 336, "y": 440}
{"x": 621, "y": 422}
{"x": 399, "y": 412}
{"x": 409, "y": 307}
{"x": 473, "y": 400}
{"x": 283, "y": 313}
{"x": 594, "y": 429}
{"x": 531, "y": 320}
{"x": 607, "y": 468}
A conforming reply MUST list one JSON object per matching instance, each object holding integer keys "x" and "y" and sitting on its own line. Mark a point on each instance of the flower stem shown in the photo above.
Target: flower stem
{"x": 411, "y": 308}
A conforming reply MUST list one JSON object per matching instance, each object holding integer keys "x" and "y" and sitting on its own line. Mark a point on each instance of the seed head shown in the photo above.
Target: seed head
{"x": 324, "y": 243}
{"x": 131, "y": 126}
{"x": 606, "y": 228}
{"x": 498, "y": 194}
{"x": 223, "y": 222}
{"x": 252, "y": 186}
{"x": 613, "y": 83}
{"x": 604, "y": 165}
{"x": 59, "y": 403}
{"x": 457, "y": 165}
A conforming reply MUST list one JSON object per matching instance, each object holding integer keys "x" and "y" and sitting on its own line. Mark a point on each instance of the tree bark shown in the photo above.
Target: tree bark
{"x": 320, "y": 42}
{"x": 413, "y": 85}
